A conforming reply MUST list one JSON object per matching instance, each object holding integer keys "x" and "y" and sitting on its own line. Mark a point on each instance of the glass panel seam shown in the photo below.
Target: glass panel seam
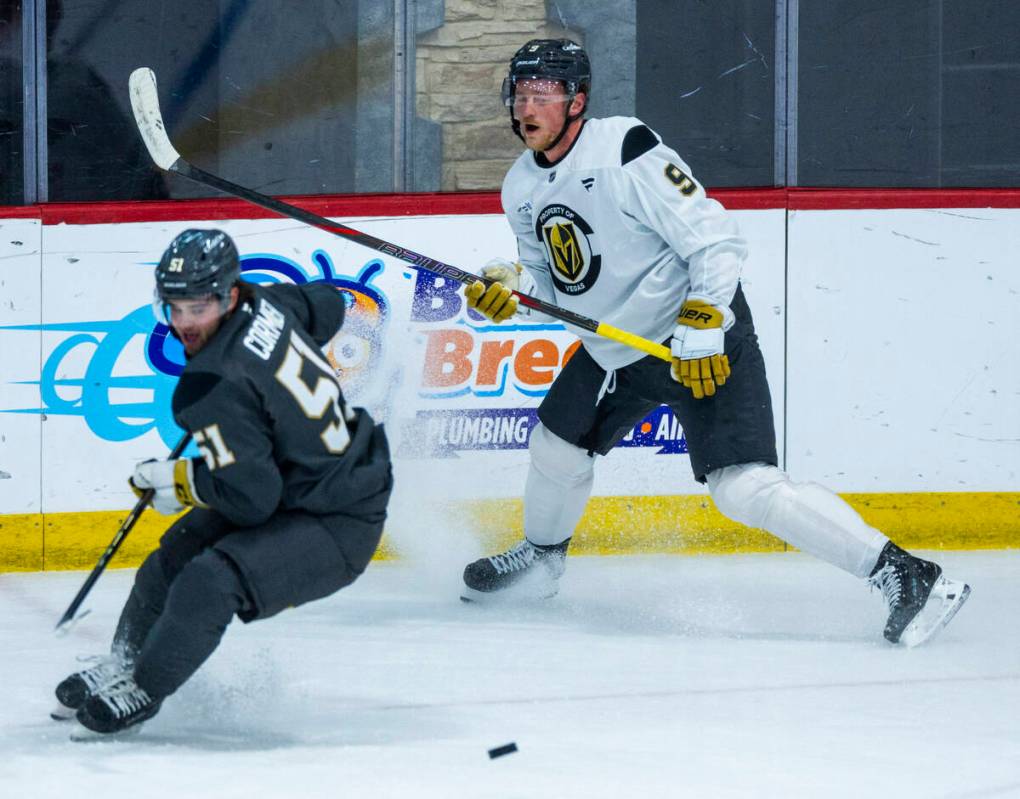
{"x": 779, "y": 135}
{"x": 42, "y": 160}
{"x": 401, "y": 14}
{"x": 792, "y": 74}
{"x": 28, "y": 102}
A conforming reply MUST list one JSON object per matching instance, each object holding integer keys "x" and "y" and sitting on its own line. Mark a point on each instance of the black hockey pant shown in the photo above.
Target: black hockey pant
{"x": 206, "y": 571}
{"x": 180, "y": 622}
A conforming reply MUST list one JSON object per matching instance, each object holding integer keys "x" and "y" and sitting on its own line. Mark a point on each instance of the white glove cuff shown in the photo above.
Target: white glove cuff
{"x": 691, "y": 343}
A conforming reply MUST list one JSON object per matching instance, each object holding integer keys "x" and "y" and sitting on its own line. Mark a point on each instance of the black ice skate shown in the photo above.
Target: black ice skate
{"x": 75, "y": 690}
{"x": 115, "y": 708}
{"x": 920, "y": 598}
{"x": 532, "y": 571}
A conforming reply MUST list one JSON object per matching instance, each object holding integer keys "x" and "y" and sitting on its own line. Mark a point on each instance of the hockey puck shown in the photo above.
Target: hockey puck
{"x": 505, "y": 749}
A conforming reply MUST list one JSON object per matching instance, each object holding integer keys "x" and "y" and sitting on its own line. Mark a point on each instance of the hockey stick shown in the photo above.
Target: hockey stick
{"x": 145, "y": 103}
{"x": 111, "y": 550}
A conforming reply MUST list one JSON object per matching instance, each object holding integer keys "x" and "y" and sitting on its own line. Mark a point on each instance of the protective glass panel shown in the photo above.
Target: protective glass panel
{"x": 11, "y": 105}
{"x": 705, "y": 82}
{"x": 700, "y": 74}
{"x": 909, "y": 94}
{"x": 291, "y": 98}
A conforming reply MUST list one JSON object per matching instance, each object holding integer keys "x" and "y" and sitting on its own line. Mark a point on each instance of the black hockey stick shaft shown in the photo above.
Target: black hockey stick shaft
{"x": 118, "y": 539}
{"x": 417, "y": 260}
{"x": 145, "y": 104}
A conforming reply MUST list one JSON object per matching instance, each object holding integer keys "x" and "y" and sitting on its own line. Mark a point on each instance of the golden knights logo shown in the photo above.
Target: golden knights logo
{"x": 561, "y": 240}
{"x": 568, "y": 245}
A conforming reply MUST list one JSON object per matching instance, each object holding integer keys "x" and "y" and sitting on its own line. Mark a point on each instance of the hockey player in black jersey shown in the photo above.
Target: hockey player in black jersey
{"x": 610, "y": 223}
{"x": 286, "y": 503}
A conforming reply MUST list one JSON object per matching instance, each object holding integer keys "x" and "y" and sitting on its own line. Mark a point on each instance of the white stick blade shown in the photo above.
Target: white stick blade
{"x": 145, "y": 104}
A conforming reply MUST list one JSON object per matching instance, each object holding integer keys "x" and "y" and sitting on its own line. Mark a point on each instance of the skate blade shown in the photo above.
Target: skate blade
{"x": 82, "y": 734}
{"x": 945, "y": 600}
{"x": 523, "y": 593}
{"x": 62, "y": 712}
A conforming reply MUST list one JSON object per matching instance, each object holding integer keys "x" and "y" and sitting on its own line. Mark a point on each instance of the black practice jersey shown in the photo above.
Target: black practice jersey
{"x": 268, "y": 415}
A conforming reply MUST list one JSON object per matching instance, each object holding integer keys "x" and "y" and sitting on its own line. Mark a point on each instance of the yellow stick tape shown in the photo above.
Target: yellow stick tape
{"x": 660, "y": 351}
{"x": 611, "y": 525}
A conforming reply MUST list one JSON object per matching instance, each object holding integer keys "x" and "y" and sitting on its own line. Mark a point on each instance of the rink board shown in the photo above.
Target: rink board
{"x": 684, "y": 525}
{"x": 912, "y": 416}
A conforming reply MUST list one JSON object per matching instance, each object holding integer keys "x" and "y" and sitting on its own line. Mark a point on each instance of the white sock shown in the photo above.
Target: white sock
{"x": 806, "y": 515}
{"x": 559, "y": 482}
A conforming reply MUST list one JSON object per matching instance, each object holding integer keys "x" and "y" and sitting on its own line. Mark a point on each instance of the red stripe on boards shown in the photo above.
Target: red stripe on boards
{"x": 848, "y": 199}
{"x": 439, "y": 204}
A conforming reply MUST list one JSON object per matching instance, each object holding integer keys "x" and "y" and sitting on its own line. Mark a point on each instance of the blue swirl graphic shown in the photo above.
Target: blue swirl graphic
{"x": 98, "y": 396}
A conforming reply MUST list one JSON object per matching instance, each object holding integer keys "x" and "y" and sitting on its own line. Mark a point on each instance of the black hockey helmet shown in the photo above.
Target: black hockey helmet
{"x": 561, "y": 60}
{"x": 198, "y": 263}
{"x": 549, "y": 59}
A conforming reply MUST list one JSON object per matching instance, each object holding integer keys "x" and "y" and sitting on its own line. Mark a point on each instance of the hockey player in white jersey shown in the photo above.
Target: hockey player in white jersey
{"x": 611, "y": 223}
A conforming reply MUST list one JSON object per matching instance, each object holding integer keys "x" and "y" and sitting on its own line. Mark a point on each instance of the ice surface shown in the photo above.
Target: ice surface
{"x": 664, "y": 676}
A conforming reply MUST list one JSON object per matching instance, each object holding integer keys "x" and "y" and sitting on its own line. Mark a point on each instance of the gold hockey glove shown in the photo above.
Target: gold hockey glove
{"x": 699, "y": 359}
{"x": 496, "y": 301}
{"x": 172, "y": 481}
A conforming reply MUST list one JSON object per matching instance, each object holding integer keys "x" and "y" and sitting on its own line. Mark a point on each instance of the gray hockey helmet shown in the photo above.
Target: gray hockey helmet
{"x": 198, "y": 263}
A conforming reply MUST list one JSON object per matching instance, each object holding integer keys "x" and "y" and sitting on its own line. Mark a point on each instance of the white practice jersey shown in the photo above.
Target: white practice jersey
{"x": 620, "y": 231}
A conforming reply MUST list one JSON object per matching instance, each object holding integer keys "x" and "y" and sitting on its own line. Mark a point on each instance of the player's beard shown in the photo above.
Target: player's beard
{"x": 542, "y": 138}
{"x": 538, "y": 140}
{"x": 194, "y": 341}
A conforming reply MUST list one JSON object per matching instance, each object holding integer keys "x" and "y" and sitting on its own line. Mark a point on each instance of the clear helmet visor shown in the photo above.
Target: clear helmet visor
{"x": 162, "y": 310}
{"x": 519, "y": 90}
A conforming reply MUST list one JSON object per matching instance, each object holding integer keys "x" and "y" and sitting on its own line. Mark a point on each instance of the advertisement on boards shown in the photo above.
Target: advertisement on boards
{"x": 458, "y": 394}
